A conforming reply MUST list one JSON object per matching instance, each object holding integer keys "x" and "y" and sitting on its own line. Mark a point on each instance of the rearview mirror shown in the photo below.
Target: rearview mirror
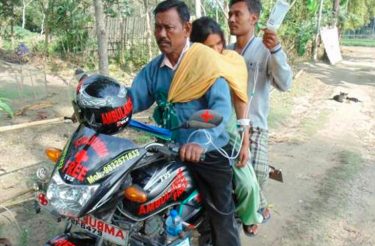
{"x": 203, "y": 119}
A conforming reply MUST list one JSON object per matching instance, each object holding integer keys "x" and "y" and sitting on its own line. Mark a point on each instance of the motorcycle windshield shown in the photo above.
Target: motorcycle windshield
{"x": 90, "y": 156}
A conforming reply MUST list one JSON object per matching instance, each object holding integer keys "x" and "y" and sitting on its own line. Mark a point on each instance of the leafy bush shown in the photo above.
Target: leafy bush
{"x": 72, "y": 42}
{"x": 69, "y": 25}
{"x": 305, "y": 34}
{"x": 137, "y": 56}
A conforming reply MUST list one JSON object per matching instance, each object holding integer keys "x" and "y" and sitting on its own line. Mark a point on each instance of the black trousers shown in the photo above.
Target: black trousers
{"x": 214, "y": 179}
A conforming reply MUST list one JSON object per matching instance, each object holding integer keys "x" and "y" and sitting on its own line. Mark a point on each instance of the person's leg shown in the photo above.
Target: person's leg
{"x": 214, "y": 180}
{"x": 259, "y": 159}
{"x": 247, "y": 195}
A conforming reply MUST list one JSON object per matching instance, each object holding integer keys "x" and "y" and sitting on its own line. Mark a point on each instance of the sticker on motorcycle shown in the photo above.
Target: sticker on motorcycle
{"x": 74, "y": 169}
{"x": 102, "y": 229}
{"x": 175, "y": 190}
{"x": 113, "y": 165}
{"x": 63, "y": 155}
{"x": 206, "y": 116}
{"x": 94, "y": 142}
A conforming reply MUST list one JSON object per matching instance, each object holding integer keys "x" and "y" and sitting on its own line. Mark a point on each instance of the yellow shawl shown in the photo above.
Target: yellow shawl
{"x": 199, "y": 69}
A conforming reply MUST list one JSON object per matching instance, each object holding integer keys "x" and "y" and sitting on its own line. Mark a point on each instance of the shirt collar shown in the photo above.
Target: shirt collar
{"x": 166, "y": 62}
{"x": 246, "y": 46}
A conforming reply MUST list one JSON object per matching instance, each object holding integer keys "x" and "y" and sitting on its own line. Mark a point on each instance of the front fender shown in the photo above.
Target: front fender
{"x": 72, "y": 239}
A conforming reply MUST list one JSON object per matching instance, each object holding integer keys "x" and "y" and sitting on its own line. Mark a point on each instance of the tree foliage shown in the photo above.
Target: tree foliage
{"x": 68, "y": 24}
{"x": 358, "y": 13}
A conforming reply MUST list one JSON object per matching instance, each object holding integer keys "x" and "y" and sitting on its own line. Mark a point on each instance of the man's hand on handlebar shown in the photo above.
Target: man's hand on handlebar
{"x": 191, "y": 152}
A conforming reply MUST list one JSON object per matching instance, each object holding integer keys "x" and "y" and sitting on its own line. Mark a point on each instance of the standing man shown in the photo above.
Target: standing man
{"x": 267, "y": 65}
{"x": 157, "y": 81}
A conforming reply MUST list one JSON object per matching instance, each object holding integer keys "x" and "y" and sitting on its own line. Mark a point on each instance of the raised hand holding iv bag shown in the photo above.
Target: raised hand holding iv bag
{"x": 277, "y": 15}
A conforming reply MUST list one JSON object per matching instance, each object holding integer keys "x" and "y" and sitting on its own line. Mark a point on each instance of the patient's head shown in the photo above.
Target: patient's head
{"x": 207, "y": 31}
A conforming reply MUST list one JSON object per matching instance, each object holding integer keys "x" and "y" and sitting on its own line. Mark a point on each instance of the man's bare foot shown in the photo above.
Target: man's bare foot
{"x": 266, "y": 213}
{"x": 250, "y": 230}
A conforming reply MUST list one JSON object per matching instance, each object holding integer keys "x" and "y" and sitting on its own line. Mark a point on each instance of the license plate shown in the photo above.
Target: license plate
{"x": 102, "y": 229}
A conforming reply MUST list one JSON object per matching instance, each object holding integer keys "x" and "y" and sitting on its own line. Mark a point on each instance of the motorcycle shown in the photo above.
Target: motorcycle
{"x": 111, "y": 191}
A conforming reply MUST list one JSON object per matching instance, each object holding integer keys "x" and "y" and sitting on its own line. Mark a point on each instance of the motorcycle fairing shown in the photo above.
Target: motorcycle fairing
{"x": 168, "y": 185}
{"x": 90, "y": 156}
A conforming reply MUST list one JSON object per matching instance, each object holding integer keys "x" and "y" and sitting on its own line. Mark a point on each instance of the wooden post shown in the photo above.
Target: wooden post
{"x": 149, "y": 32}
{"x": 101, "y": 37}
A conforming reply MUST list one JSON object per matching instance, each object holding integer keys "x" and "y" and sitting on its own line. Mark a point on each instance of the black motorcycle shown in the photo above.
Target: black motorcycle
{"x": 112, "y": 192}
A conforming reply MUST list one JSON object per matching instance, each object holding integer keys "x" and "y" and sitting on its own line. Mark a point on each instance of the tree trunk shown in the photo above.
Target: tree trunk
{"x": 23, "y": 14}
{"x": 47, "y": 8}
{"x": 198, "y": 12}
{"x": 101, "y": 37}
{"x": 335, "y": 9}
{"x": 46, "y": 38}
{"x": 42, "y": 25}
{"x": 315, "y": 41}
{"x": 149, "y": 32}
{"x": 24, "y": 6}
{"x": 12, "y": 26}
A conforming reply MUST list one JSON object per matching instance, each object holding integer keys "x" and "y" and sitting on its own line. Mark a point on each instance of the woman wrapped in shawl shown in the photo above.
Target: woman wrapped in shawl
{"x": 205, "y": 30}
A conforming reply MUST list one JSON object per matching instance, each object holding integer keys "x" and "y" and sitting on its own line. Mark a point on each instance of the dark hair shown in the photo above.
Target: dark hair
{"x": 180, "y": 6}
{"x": 203, "y": 27}
{"x": 254, "y": 6}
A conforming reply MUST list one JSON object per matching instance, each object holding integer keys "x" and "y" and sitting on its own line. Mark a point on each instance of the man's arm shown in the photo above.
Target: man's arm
{"x": 241, "y": 113}
{"x": 278, "y": 66}
{"x": 141, "y": 90}
{"x": 219, "y": 100}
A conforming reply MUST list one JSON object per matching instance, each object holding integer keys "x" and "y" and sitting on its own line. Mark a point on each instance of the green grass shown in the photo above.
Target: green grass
{"x": 280, "y": 110}
{"x": 311, "y": 125}
{"x": 143, "y": 138}
{"x": 358, "y": 42}
{"x": 24, "y": 238}
{"x": 20, "y": 35}
{"x": 5, "y": 107}
{"x": 281, "y": 103}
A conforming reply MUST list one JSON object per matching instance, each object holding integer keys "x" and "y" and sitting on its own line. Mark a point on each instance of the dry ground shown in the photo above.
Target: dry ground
{"x": 325, "y": 148}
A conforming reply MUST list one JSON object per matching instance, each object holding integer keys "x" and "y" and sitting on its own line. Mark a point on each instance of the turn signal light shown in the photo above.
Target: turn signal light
{"x": 135, "y": 194}
{"x": 53, "y": 154}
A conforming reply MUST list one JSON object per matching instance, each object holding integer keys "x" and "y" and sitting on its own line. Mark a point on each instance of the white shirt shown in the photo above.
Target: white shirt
{"x": 167, "y": 62}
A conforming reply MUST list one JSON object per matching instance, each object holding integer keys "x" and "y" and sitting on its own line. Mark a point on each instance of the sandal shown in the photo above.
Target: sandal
{"x": 264, "y": 211}
{"x": 250, "y": 230}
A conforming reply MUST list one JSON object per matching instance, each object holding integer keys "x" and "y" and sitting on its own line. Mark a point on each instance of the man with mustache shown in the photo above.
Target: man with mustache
{"x": 267, "y": 65}
{"x": 158, "y": 81}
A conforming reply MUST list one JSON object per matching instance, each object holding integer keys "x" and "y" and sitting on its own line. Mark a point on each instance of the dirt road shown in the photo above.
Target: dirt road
{"x": 325, "y": 148}
{"x": 327, "y": 152}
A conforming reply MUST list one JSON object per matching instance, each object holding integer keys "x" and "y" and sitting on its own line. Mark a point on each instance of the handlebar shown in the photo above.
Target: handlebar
{"x": 170, "y": 152}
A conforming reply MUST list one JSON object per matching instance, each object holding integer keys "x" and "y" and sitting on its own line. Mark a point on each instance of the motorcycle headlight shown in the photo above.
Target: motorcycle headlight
{"x": 68, "y": 199}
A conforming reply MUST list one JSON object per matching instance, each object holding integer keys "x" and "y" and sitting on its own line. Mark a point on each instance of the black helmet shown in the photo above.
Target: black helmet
{"x": 103, "y": 104}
